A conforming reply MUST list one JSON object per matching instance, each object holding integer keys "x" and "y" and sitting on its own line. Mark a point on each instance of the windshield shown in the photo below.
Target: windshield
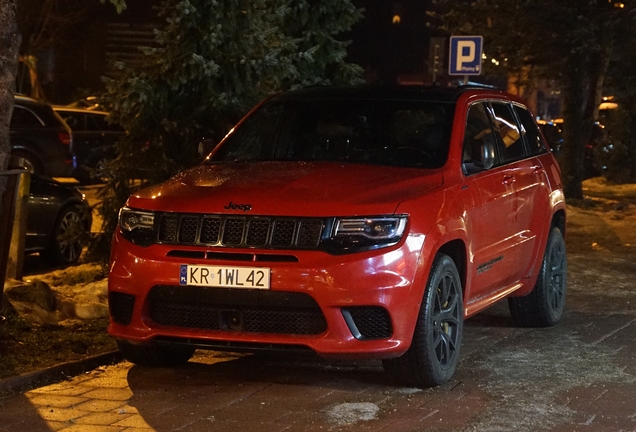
{"x": 384, "y": 132}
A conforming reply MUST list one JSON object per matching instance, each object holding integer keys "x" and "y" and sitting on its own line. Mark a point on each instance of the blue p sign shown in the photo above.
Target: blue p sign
{"x": 465, "y": 55}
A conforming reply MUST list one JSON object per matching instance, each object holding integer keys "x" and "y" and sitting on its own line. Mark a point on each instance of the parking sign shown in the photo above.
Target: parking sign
{"x": 465, "y": 55}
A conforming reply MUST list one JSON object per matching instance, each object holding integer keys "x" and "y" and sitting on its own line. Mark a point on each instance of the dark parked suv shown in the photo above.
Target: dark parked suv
{"x": 42, "y": 138}
{"x": 93, "y": 140}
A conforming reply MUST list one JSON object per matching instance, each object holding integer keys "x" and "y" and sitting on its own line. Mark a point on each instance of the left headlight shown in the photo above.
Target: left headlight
{"x": 365, "y": 233}
{"x": 137, "y": 226}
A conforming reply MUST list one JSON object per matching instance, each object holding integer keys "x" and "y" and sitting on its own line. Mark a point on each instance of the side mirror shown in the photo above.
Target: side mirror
{"x": 206, "y": 145}
{"x": 484, "y": 159}
{"x": 487, "y": 155}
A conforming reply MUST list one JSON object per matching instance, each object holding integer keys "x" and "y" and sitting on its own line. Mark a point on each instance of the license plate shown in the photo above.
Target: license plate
{"x": 224, "y": 277}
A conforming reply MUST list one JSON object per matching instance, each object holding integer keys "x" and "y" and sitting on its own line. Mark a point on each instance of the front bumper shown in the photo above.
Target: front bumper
{"x": 349, "y": 306}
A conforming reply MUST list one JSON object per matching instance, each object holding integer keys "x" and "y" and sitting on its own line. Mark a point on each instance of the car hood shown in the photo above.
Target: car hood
{"x": 288, "y": 188}
{"x": 41, "y": 186}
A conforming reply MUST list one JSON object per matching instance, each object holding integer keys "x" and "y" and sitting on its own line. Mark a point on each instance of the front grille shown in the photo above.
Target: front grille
{"x": 121, "y": 307}
{"x": 253, "y": 311}
{"x": 368, "y": 322}
{"x": 240, "y": 231}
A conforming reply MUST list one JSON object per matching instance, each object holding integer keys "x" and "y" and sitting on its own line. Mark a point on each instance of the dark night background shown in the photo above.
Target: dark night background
{"x": 391, "y": 43}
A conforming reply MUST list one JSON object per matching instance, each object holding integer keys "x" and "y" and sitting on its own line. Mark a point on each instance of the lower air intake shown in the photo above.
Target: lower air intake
{"x": 368, "y": 322}
{"x": 253, "y": 311}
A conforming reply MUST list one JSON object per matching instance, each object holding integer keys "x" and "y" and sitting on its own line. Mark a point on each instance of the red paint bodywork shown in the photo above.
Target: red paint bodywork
{"x": 505, "y": 212}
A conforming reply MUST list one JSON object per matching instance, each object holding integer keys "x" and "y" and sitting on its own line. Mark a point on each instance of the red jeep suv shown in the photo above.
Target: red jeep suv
{"x": 354, "y": 222}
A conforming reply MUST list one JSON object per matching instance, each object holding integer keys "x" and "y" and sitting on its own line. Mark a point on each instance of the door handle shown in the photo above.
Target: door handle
{"x": 509, "y": 179}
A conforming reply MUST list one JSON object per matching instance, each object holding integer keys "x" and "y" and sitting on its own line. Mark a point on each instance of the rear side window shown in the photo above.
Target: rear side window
{"x": 95, "y": 123}
{"x": 75, "y": 121}
{"x": 509, "y": 136}
{"x": 98, "y": 122}
{"x": 24, "y": 118}
{"x": 535, "y": 142}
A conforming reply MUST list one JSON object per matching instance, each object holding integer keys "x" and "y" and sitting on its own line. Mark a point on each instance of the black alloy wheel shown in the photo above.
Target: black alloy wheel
{"x": 434, "y": 353}
{"x": 544, "y": 306}
{"x": 68, "y": 235}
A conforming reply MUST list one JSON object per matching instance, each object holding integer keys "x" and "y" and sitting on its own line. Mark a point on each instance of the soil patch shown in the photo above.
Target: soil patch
{"x": 56, "y": 317}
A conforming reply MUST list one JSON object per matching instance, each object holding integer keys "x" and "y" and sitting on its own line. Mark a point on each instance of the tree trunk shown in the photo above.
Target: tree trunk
{"x": 9, "y": 46}
{"x": 574, "y": 92}
{"x": 582, "y": 96}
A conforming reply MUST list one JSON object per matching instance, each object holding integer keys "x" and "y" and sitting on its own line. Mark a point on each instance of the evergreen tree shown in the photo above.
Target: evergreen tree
{"x": 213, "y": 61}
{"x": 315, "y": 25}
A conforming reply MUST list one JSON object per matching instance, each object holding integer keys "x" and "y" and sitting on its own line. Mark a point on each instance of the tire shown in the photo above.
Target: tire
{"x": 67, "y": 237}
{"x": 543, "y": 307}
{"x": 433, "y": 355}
{"x": 155, "y": 356}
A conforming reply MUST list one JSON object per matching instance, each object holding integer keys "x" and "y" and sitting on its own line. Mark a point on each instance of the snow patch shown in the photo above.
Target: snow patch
{"x": 349, "y": 413}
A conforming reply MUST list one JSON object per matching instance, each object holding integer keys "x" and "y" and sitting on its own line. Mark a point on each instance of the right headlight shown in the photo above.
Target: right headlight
{"x": 137, "y": 226}
{"x": 358, "y": 234}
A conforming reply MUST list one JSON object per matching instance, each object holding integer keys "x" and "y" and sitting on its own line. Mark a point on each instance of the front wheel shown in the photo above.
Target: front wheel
{"x": 543, "y": 307}
{"x": 155, "y": 355}
{"x": 434, "y": 353}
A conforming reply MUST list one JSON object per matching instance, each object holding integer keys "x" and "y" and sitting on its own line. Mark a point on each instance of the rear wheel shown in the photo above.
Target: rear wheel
{"x": 68, "y": 236}
{"x": 155, "y": 356}
{"x": 434, "y": 353}
{"x": 543, "y": 307}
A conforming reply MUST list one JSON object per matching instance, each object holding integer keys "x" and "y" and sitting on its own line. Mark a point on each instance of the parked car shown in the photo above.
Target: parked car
{"x": 553, "y": 132}
{"x": 58, "y": 221}
{"x": 41, "y": 137}
{"x": 354, "y": 222}
{"x": 58, "y": 218}
{"x": 93, "y": 140}
{"x": 88, "y": 103}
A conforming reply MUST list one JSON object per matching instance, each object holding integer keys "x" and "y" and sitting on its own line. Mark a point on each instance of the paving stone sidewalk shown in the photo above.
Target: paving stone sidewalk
{"x": 577, "y": 376}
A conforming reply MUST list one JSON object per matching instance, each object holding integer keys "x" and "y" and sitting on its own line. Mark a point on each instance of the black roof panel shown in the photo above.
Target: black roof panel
{"x": 402, "y": 92}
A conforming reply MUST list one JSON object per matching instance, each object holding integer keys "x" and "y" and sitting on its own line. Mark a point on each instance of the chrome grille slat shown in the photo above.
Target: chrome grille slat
{"x": 210, "y": 230}
{"x": 239, "y": 231}
{"x": 188, "y": 229}
{"x": 258, "y": 232}
{"x": 283, "y": 233}
{"x": 168, "y": 228}
{"x": 233, "y": 231}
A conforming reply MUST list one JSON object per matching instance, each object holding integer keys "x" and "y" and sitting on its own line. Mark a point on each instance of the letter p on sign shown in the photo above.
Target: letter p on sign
{"x": 465, "y": 55}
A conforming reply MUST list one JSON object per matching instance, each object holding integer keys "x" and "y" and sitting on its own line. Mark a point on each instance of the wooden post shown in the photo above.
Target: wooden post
{"x": 15, "y": 261}
{"x": 6, "y": 222}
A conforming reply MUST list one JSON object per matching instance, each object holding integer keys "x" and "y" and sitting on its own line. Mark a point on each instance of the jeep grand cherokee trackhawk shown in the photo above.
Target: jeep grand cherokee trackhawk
{"x": 355, "y": 222}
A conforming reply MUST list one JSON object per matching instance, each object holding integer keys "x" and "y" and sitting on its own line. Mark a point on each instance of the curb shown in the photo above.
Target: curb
{"x": 56, "y": 373}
